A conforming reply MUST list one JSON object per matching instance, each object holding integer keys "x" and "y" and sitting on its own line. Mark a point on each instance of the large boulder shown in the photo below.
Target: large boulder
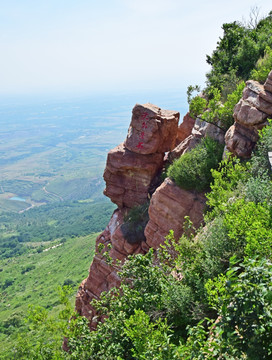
{"x": 128, "y": 176}
{"x": 255, "y": 105}
{"x": 152, "y": 130}
{"x": 240, "y": 140}
{"x": 168, "y": 207}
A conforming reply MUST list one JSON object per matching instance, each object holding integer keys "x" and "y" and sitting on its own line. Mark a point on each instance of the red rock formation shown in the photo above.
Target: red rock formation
{"x": 152, "y": 130}
{"x": 250, "y": 115}
{"x": 189, "y": 143}
{"x": 168, "y": 207}
{"x": 130, "y": 171}
{"x": 128, "y": 176}
{"x": 185, "y": 128}
{"x": 103, "y": 275}
{"x": 241, "y": 140}
{"x": 268, "y": 83}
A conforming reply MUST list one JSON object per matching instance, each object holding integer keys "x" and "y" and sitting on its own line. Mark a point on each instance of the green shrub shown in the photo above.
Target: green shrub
{"x": 230, "y": 175}
{"x": 193, "y": 169}
{"x": 134, "y": 223}
{"x": 214, "y": 111}
{"x": 260, "y": 164}
{"x": 263, "y": 66}
{"x": 249, "y": 225}
{"x": 259, "y": 189}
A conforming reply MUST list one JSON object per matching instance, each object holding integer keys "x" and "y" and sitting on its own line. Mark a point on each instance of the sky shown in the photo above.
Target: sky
{"x": 96, "y": 46}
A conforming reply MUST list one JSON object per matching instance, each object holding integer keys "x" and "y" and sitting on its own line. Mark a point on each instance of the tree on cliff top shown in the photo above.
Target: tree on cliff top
{"x": 238, "y": 51}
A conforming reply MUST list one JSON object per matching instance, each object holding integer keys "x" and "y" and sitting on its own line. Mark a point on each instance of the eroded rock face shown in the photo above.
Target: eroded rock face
{"x": 186, "y": 145}
{"x": 152, "y": 130}
{"x": 241, "y": 140}
{"x": 250, "y": 115}
{"x": 131, "y": 172}
{"x": 128, "y": 176}
{"x": 268, "y": 83}
{"x": 185, "y": 128}
{"x": 168, "y": 207}
{"x": 102, "y": 275}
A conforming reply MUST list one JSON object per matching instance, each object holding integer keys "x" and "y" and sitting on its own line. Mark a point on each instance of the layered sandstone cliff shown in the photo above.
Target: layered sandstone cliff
{"x": 132, "y": 177}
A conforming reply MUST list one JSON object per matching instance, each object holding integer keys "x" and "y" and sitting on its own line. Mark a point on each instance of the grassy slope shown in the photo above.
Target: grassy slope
{"x": 39, "y": 286}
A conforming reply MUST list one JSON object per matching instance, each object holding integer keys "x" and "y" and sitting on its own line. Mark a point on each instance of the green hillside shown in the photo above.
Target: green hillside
{"x": 34, "y": 278}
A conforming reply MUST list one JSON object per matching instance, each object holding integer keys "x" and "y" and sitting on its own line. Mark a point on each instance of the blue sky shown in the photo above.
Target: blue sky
{"x": 84, "y": 46}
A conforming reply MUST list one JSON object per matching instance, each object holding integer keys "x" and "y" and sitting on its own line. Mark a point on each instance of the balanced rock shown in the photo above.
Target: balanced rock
{"x": 152, "y": 130}
{"x": 168, "y": 207}
{"x": 128, "y": 176}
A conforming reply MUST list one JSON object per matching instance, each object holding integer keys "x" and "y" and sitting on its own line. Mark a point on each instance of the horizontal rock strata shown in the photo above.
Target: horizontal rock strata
{"x": 168, "y": 207}
{"x": 250, "y": 115}
{"x": 128, "y": 176}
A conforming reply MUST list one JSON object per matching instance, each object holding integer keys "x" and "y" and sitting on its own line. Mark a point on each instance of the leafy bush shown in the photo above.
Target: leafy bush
{"x": 263, "y": 66}
{"x": 28, "y": 268}
{"x": 214, "y": 111}
{"x": 193, "y": 169}
{"x": 242, "y": 330}
{"x": 238, "y": 51}
{"x": 134, "y": 223}
{"x": 259, "y": 189}
{"x": 226, "y": 180}
{"x": 260, "y": 164}
{"x": 249, "y": 225}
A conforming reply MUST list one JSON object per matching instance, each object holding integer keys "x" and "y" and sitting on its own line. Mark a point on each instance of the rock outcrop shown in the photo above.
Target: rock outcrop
{"x": 168, "y": 207}
{"x": 250, "y": 115}
{"x": 185, "y": 128}
{"x": 128, "y": 175}
{"x": 132, "y": 173}
{"x": 152, "y": 130}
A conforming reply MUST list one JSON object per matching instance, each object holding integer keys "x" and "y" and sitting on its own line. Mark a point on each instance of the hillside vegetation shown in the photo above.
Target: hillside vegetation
{"x": 36, "y": 278}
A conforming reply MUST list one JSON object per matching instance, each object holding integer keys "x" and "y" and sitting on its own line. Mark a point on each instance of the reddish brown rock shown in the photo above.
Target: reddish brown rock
{"x": 268, "y": 83}
{"x": 152, "y": 130}
{"x": 248, "y": 115}
{"x": 203, "y": 128}
{"x": 255, "y": 105}
{"x": 128, "y": 176}
{"x": 255, "y": 94}
{"x": 185, "y": 128}
{"x": 168, "y": 207}
{"x": 241, "y": 140}
{"x": 102, "y": 275}
{"x": 189, "y": 143}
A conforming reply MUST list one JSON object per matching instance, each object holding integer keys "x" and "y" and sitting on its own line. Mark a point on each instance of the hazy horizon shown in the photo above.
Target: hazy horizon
{"x": 68, "y": 48}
